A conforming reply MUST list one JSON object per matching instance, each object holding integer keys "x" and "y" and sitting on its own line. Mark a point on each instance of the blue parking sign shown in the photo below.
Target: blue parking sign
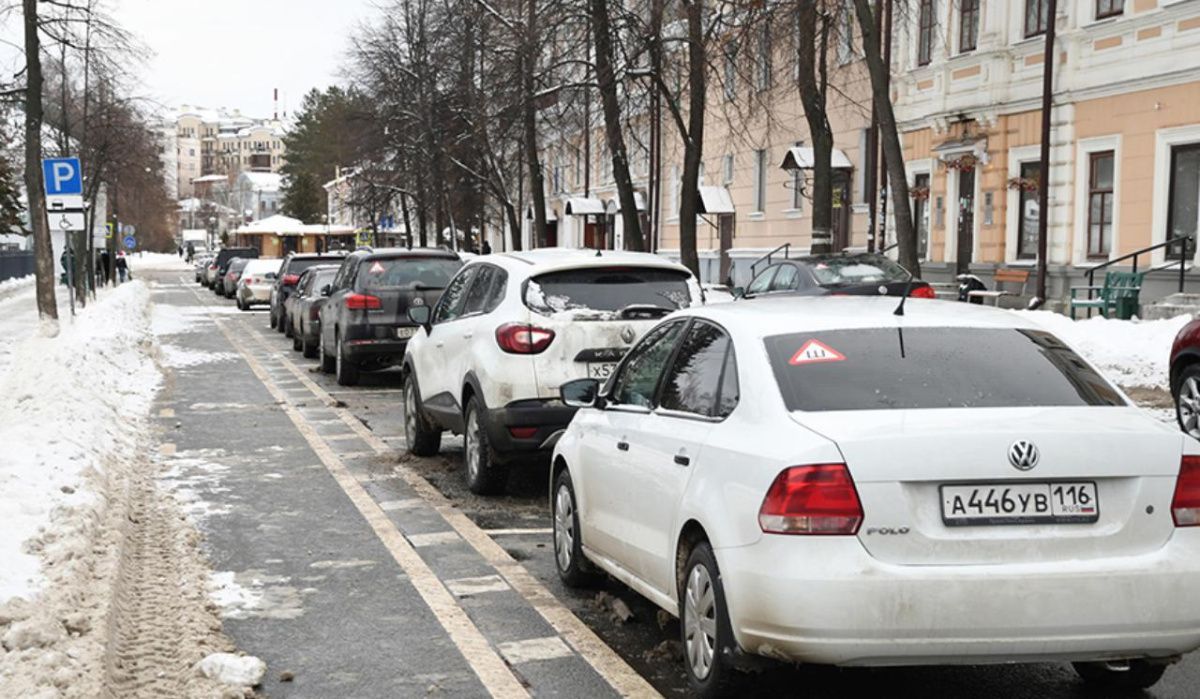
{"x": 62, "y": 176}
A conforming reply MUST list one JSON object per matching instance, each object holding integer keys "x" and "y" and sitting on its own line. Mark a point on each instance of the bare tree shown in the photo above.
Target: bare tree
{"x": 43, "y": 252}
{"x": 813, "y": 79}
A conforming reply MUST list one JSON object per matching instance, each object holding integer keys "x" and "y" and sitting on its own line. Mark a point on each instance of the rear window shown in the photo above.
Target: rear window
{"x": 406, "y": 273}
{"x": 608, "y": 289}
{"x": 886, "y": 368}
{"x": 298, "y": 264}
{"x": 856, "y": 269}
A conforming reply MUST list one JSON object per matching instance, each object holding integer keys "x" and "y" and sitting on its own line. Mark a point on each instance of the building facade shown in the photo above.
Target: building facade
{"x": 203, "y": 142}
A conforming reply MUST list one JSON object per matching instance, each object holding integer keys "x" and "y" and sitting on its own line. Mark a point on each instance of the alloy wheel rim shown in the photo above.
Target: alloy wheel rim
{"x": 564, "y": 527}
{"x": 700, "y": 622}
{"x": 410, "y": 406}
{"x": 338, "y": 359}
{"x": 471, "y": 435}
{"x": 1189, "y": 406}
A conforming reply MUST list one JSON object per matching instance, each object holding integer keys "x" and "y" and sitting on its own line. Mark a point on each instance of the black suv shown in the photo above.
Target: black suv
{"x": 293, "y": 266}
{"x": 364, "y": 324}
{"x": 222, "y": 260}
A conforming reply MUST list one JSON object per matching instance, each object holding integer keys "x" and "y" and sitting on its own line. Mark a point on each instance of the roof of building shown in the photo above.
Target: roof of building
{"x": 262, "y": 181}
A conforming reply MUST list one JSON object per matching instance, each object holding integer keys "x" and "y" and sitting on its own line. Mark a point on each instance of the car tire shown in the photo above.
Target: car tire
{"x": 241, "y": 306}
{"x": 1187, "y": 400}
{"x": 421, "y": 436}
{"x": 308, "y": 349}
{"x": 285, "y": 326}
{"x": 274, "y": 321}
{"x": 704, "y": 619}
{"x": 486, "y": 475}
{"x": 346, "y": 370}
{"x": 1130, "y": 676}
{"x": 328, "y": 363}
{"x": 296, "y": 344}
{"x": 573, "y": 569}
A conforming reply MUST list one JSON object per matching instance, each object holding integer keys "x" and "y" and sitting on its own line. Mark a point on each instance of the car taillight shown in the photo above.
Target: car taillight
{"x": 520, "y": 338}
{"x": 249, "y": 280}
{"x": 290, "y": 279}
{"x": 363, "y": 302}
{"x": 815, "y": 499}
{"x": 1185, "y": 507}
{"x": 923, "y": 292}
{"x": 212, "y": 267}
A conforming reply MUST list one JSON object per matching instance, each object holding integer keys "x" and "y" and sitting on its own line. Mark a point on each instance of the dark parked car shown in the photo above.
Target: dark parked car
{"x": 220, "y": 265}
{"x": 857, "y": 274}
{"x": 365, "y": 324}
{"x": 303, "y": 306}
{"x": 229, "y": 281}
{"x": 293, "y": 266}
{"x": 1185, "y": 378}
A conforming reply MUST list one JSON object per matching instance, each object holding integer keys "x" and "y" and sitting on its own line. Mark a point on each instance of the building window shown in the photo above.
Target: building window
{"x": 798, "y": 185}
{"x": 764, "y": 58}
{"x": 925, "y": 25}
{"x": 1183, "y": 206}
{"x": 1109, "y": 8}
{"x": 845, "y": 44}
{"x": 730, "y": 77}
{"x": 1037, "y": 16}
{"x": 921, "y": 214}
{"x": 727, "y": 169}
{"x": 968, "y": 25}
{"x": 1028, "y": 207}
{"x": 1100, "y": 203}
{"x": 760, "y": 181}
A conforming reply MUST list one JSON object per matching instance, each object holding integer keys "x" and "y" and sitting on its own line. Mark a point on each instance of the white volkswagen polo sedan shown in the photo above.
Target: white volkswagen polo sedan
{"x": 823, "y": 481}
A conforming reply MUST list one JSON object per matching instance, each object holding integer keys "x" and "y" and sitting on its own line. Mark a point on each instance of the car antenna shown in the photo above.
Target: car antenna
{"x": 907, "y": 290}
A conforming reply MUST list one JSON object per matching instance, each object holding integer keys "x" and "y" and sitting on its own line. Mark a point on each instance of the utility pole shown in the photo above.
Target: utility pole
{"x": 1044, "y": 165}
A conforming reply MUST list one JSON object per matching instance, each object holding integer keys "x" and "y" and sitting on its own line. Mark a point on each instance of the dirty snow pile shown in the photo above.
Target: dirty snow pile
{"x": 11, "y": 286}
{"x": 67, "y": 405}
{"x": 142, "y": 261}
{"x": 1134, "y": 353}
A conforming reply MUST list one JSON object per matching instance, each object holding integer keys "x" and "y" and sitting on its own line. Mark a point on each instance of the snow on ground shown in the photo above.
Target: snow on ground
{"x": 68, "y": 405}
{"x": 180, "y": 357}
{"x": 143, "y": 261}
{"x": 1134, "y": 353}
{"x": 11, "y": 286}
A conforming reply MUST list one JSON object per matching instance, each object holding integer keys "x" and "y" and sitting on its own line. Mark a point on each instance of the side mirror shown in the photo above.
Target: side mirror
{"x": 738, "y": 292}
{"x": 581, "y": 393}
{"x": 327, "y": 290}
{"x": 420, "y": 315}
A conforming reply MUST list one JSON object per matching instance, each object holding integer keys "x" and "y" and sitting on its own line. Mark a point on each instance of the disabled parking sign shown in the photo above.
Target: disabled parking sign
{"x": 62, "y": 177}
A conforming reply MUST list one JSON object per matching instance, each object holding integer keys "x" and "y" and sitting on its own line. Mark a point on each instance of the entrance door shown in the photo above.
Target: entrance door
{"x": 841, "y": 210}
{"x": 966, "y": 220}
{"x": 551, "y": 234}
{"x": 725, "y": 224}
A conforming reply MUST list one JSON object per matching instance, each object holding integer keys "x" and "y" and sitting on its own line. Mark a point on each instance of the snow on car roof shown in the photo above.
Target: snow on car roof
{"x": 779, "y": 315}
{"x": 552, "y": 259}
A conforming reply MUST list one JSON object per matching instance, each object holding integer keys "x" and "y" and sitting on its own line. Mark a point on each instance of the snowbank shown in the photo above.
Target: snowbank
{"x": 11, "y": 286}
{"x": 1131, "y": 352}
{"x": 67, "y": 406}
{"x": 157, "y": 260}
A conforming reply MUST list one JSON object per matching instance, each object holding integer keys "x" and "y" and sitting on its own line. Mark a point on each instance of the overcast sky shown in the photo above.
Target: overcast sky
{"x": 233, "y": 53}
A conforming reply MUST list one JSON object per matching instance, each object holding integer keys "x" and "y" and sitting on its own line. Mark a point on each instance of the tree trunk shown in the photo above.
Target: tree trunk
{"x": 537, "y": 184}
{"x": 693, "y": 140}
{"x": 906, "y": 233}
{"x": 812, "y": 69}
{"x": 43, "y": 250}
{"x": 602, "y": 34}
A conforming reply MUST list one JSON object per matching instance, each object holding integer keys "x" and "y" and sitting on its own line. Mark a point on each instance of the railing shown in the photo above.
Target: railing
{"x": 1091, "y": 275}
{"x": 767, "y": 258}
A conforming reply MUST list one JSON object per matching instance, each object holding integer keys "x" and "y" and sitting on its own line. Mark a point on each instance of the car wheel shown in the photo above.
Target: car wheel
{"x": 573, "y": 568}
{"x": 347, "y": 371}
{"x": 296, "y": 344}
{"x": 1126, "y": 675}
{"x": 241, "y": 306}
{"x": 274, "y": 321}
{"x": 328, "y": 363}
{"x": 704, "y": 625}
{"x": 422, "y": 438}
{"x": 285, "y": 326}
{"x": 1187, "y": 401}
{"x": 308, "y": 349}
{"x": 485, "y": 474}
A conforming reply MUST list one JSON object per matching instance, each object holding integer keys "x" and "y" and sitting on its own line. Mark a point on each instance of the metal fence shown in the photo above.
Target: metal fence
{"x": 15, "y": 264}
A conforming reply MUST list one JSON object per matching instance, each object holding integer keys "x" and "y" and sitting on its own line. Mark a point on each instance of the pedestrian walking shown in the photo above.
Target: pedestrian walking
{"x": 105, "y": 267}
{"x": 486, "y": 248}
{"x": 191, "y": 252}
{"x": 122, "y": 267}
{"x": 181, "y": 252}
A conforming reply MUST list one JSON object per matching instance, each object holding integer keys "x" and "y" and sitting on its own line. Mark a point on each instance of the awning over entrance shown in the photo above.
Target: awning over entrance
{"x": 715, "y": 200}
{"x": 580, "y": 206}
{"x": 639, "y": 202}
{"x": 955, "y": 148}
{"x": 551, "y": 214}
{"x": 801, "y": 158}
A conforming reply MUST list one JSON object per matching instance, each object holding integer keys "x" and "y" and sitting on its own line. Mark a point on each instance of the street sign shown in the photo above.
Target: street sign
{"x": 128, "y": 229}
{"x": 62, "y": 176}
{"x": 108, "y": 230}
{"x": 130, "y": 242}
{"x": 66, "y": 220}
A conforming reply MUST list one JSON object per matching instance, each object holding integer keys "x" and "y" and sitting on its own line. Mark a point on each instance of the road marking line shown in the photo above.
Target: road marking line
{"x": 544, "y": 531}
{"x": 339, "y": 437}
{"x": 393, "y": 505}
{"x": 532, "y": 649}
{"x": 167, "y": 449}
{"x": 479, "y": 654}
{"x": 465, "y": 587}
{"x": 433, "y": 539}
{"x": 603, "y": 659}
{"x": 167, "y": 412}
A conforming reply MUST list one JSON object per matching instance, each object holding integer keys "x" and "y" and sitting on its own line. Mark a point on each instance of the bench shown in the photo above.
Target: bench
{"x": 1118, "y": 296}
{"x": 1002, "y": 276}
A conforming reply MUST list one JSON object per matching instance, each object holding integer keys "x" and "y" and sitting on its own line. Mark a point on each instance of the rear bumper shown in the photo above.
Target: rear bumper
{"x": 825, "y": 600}
{"x": 373, "y": 353}
{"x": 541, "y": 418}
{"x": 255, "y": 296}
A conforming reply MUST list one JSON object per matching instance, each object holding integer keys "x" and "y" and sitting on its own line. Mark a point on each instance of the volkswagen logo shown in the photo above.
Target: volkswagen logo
{"x": 1023, "y": 455}
{"x": 627, "y": 334}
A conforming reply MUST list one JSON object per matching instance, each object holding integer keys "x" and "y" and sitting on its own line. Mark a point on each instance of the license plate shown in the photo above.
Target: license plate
{"x": 600, "y": 370}
{"x": 1073, "y": 502}
{"x": 405, "y": 333}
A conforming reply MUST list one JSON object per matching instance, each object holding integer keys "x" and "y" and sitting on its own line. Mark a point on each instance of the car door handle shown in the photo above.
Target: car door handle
{"x": 468, "y": 336}
{"x": 682, "y": 460}
{"x": 623, "y": 446}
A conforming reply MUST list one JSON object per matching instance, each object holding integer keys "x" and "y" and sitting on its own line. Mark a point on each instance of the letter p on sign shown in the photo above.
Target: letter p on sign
{"x": 62, "y": 176}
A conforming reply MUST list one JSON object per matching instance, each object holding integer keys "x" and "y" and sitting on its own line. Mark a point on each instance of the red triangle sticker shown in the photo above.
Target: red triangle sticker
{"x": 376, "y": 269}
{"x": 816, "y": 352}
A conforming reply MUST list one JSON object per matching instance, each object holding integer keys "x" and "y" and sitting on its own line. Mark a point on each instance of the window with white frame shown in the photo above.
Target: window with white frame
{"x": 760, "y": 181}
{"x": 763, "y": 63}
{"x": 1183, "y": 198}
{"x": 1109, "y": 8}
{"x": 798, "y": 185}
{"x": 845, "y": 31}
{"x": 730, "y": 72}
{"x": 727, "y": 169}
{"x": 1100, "y": 204}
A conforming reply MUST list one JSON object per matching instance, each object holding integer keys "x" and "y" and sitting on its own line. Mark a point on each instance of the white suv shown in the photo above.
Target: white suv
{"x": 509, "y": 330}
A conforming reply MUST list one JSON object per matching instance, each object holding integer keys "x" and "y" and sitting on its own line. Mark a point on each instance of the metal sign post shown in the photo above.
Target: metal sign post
{"x": 63, "y": 181}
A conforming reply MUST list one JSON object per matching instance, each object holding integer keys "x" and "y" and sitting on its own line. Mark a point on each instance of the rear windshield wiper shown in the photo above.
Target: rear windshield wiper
{"x": 644, "y": 310}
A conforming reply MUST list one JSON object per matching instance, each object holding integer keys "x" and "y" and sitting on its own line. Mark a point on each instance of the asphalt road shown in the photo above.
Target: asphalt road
{"x": 305, "y": 520}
